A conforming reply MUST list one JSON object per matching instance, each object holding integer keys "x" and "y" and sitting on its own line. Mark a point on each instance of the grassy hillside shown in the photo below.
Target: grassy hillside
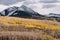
{"x": 12, "y": 28}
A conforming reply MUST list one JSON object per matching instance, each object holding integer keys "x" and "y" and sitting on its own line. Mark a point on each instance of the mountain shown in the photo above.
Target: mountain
{"x": 54, "y": 16}
{"x": 22, "y": 11}
{"x": 8, "y": 11}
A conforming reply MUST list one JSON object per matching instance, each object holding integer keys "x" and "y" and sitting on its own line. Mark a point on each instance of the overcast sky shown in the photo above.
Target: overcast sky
{"x": 40, "y": 6}
{"x": 8, "y": 2}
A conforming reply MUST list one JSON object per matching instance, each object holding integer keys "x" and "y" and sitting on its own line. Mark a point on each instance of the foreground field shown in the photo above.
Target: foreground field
{"x": 12, "y": 28}
{"x": 11, "y": 35}
{"x": 29, "y": 23}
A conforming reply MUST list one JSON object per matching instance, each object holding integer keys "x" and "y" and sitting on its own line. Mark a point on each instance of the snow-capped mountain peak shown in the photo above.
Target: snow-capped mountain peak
{"x": 18, "y": 12}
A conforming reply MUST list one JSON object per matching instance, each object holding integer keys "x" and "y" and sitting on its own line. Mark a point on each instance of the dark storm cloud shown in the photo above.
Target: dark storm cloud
{"x": 9, "y": 2}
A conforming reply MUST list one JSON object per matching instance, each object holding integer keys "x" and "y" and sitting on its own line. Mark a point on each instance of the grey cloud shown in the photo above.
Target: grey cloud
{"x": 9, "y": 2}
{"x": 49, "y": 1}
{"x": 49, "y": 6}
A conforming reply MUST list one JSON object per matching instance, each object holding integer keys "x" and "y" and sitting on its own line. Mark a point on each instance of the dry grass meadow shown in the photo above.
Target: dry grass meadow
{"x": 13, "y": 28}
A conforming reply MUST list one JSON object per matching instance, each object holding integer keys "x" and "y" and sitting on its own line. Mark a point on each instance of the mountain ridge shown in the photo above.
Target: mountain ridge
{"x": 22, "y": 11}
